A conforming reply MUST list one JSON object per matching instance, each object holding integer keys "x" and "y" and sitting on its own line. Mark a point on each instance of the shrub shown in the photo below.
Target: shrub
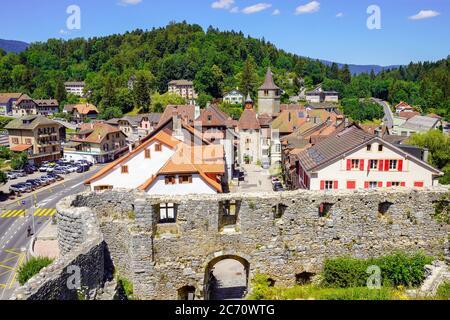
{"x": 31, "y": 268}
{"x": 126, "y": 286}
{"x": 443, "y": 291}
{"x": 398, "y": 269}
{"x": 261, "y": 289}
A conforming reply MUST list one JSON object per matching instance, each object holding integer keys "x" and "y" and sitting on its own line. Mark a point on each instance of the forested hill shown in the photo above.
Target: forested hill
{"x": 216, "y": 61}
{"x": 13, "y": 45}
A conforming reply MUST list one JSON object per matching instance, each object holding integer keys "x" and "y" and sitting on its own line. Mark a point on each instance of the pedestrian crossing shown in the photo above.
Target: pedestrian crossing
{"x": 40, "y": 212}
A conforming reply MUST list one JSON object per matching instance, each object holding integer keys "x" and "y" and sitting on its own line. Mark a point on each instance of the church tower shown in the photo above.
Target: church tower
{"x": 269, "y": 96}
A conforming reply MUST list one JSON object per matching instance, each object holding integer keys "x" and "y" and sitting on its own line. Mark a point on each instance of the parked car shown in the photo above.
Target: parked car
{"x": 56, "y": 176}
{"x": 34, "y": 182}
{"x": 11, "y": 175}
{"x": 20, "y": 187}
{"x": 43, "y": 180}
{"x": 20, "y": 173}
{"x": 43, "y": 169}
{"x": 51, "y": 178}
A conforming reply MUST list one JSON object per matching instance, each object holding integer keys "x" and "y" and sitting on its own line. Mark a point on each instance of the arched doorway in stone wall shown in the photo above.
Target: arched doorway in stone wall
{"x": 227, "y": 278}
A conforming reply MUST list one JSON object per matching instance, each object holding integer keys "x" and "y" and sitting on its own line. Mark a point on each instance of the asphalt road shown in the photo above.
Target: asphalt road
{"x": 16, "y": 218}
{"x": 388, "y": 115}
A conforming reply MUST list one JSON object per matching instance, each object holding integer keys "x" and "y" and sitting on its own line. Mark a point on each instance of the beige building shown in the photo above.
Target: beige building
{"x": 183, "y": 88}
{"x": 96, "y": 142}
{"x": 81, "y": 112}
{"x": 36, "y": 135}
{"x": 269, "y": 96}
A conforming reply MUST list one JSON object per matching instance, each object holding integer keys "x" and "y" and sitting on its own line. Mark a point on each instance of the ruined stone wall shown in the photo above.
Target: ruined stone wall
{"x": 160, "y": 258}
{"x": 83, "y": 251}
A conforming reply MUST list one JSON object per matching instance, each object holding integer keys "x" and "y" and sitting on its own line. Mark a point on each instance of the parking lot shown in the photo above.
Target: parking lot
{"x": 44, "y": 176}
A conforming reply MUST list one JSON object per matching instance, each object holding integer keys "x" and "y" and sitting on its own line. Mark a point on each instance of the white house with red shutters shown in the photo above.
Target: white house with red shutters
{"x": 355, "y": 159}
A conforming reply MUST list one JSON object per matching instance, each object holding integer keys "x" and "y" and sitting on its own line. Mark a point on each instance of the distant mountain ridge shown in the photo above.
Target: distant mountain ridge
{"x": 358, "y": 69}
{"x": 13, "y": 45}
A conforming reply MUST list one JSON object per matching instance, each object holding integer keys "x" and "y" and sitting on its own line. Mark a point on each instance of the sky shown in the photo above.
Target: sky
{"x": 345, "y": 31}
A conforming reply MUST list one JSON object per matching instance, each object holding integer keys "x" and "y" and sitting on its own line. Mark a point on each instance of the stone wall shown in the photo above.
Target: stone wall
{"x": 280, "y": 234}
{"x": 83, "y": 249}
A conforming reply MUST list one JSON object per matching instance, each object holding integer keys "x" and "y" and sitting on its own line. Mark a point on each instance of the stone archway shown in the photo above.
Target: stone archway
{"x": 226, "y": 278}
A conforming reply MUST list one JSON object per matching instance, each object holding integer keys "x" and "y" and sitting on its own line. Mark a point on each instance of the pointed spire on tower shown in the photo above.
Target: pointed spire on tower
{"x": 248, "y": 102}
{"x": 269, "y": 84}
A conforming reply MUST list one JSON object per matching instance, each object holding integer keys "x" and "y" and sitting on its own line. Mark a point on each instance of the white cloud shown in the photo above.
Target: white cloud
{"x": 276, "y": 12}
{"x": 62, "y": 31}
{"x": 256, "y": 8}
{"x": 129, "y": 2}
{"x": 222, "y": 4}
{"x": 425, "y": 14}
{"x": 311, "y": 7}
{"x": 234, "y": 10}
{"x": 339, "y": 15}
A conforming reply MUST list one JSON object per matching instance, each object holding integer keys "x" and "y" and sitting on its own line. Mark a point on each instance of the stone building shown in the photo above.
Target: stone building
{"x": 269, "y": 96}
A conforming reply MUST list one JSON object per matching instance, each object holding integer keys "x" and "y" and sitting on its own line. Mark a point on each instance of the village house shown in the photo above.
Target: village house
{"x": 81, "y": 112}
{"x": 136, "y": 127}
{"x": 25, "y": 106}
{"x": 354, "y": 159}
{"x": 233, "y": 97}
{"x": 318, "y": 95}
{"x": 7, "y": 102}
{"x": 96, "y": 142}
{"x": 36, "y": 135}
{"x": 403, "y": 107}
{"x": 173, "y": 159}
{"x": 75, "y": 87}
{"x": 183, "y": 88}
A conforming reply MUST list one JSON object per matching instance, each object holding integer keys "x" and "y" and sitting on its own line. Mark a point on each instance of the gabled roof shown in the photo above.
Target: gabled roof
{"x": 408, "y": 114}
{"x": 181, "y": 82}
{"x": 421, "y": 123}
{"x": 288, "y": 121}
{"x": 249, "y": 120}
{"x": 186, "y": 112}
{"x": 30, "y": 122}
{"x": 74, "y": 83}
{"x": 97, "y": 132}
{"x": 160, "y": 136}
{"x": 234, "y": 92}
{"x": 24, "y": 97}
{"x": 47, "y": 102}
{"x": 213, "y": 116}
{"x": 269, "y": 84}
{"x": 6, "y": 97}
{"x": 403, "y": 105}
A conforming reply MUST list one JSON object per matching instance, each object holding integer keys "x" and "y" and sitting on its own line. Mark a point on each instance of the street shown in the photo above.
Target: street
{"x": 35, "y": 211}
{"x": 388, "y": 115}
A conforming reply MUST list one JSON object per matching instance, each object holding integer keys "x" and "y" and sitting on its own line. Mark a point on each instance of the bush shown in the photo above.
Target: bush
{"x": 398, "y": 269}
{"x": 443, "y": 291}
{"x": 31, "y": 268}
{"x": 126, "y": 286}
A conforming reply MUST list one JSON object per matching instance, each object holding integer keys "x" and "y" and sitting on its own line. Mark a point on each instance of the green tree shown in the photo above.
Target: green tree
{"x": 346, "y": 76}
{"x": 19, "y": 160}
{"x": 209, "y": 80}
{"x": 3, "y": 177}
{"x": 248, "y": 78}
{"x": 60, "y": 92}
{"x": 203, "y": 99}
{"x": 161, "y": 101}
{"x": 125, "y": 100}
{"x": 142, "y": 91}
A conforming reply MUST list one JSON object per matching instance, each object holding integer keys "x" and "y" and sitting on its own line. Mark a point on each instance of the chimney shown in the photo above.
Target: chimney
{"x": 130, "y": 147}
{"x": 177, "y": 132}
{"x": 426, "y": 154}
{"x": 197, "y": 111}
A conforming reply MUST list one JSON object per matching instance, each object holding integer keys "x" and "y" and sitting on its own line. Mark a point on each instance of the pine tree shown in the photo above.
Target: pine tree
{"x": 346, "y": 76}
{"x": 142, "y": 92}
{"x": 60, "y": 92}
{"x": 249, "y": 80}
{"x": 334, "y": 71}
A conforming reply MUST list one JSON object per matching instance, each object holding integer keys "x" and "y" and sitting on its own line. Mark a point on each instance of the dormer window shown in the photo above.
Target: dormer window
{"x": 380, "y": 148}
{"x": 369, "y": 147}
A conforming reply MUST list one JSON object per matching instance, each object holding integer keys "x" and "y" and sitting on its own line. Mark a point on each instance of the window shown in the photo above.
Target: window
{"x": 395, "y": 184}
{"x": 209, "y": 118}
{"x": 351, "y": 185}
{"x": 369, "y": 147}
{"x": 266, "y": 92}
{"x": 329, "y": 185}
{"x": 355, "y": 164}
{"x": 373, "y": 184}
{"x": 373, "y": 164}
{"x": 380, "y": 148}
{"x": 148, "y": 154}
{"x": 158, "y": 147}
{"x": 124, "y": 169}
{"x": 167, "y": 213}
{"x": 185, "y": 179}
{"x": 171, "y": 180}
{"x": 15, "y": 140}
{"x": 27, "y": 141}
{"x": 393, "y": 164}
{"x": 102, "y": 188}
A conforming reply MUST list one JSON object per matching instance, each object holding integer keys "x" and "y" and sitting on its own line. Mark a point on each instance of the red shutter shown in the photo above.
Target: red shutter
{"x": 349, "y": 165}
{"x": 366, "y": 185}
{"x": 380, "y": 165}
{"x": 418, "y": 184}
{"x": 351, "y": 185}
{"x": 403, "y": 184}
{"x": 389, "y": 184}
{"x": 322, "y": 185}
{"x": 361, "y": 165}
{"x": 336, "y": 185}
{"x": 386, "y": 165}
{"x": 400, "y": 165}
{"x": 380, "y": 184}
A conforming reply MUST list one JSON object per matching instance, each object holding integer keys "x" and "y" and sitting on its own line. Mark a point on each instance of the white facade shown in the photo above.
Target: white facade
{"x": 405, "y": 172}
{"x": 140, "y": 169}
{"x": 233, "y": 97}
{"x": 75, "y": 88}
{"x": 198, "y": 186}
{"x": 249, "y": 146}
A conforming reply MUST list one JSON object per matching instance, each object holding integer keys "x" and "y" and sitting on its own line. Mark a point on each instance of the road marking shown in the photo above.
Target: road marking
{"x": 44, "y": 212}
{"x": 12, "y": 213}
{"x": 6, "y": 213}
{"x": 50, "y": 212}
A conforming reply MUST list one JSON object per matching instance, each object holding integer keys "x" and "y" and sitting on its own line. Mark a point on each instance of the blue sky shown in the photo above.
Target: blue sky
{"x": 411, "y": 30}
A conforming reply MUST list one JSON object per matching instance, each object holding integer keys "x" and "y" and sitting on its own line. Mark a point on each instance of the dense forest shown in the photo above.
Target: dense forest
{"x": 216, "y": 61}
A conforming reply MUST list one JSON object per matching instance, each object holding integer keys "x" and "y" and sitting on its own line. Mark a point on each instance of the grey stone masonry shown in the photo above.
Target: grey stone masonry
{"x": 279, "y": 234}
